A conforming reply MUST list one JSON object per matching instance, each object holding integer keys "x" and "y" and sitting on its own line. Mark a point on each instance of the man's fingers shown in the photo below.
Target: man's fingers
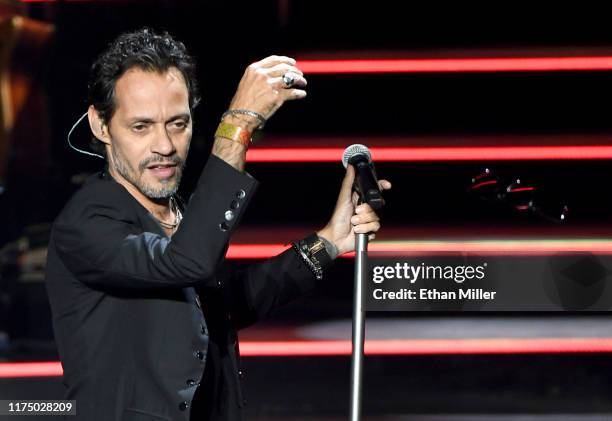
{"x": 364, "y": 208}
{"x": 347, "y": 185}
{"x": 291, "y": 94}
{"x": 384, "y": 184}
{"x": 273, "y": 60}
{"x": 355, "y": 198}
{"x": 277, "y": 82}
{"x": 281, "y": 69}
{"x": 364, "y": 218}
{"x": 369, "y": 227}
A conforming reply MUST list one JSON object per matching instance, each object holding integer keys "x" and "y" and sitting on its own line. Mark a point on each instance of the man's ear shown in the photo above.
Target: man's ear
{"x": 97, "y": 126}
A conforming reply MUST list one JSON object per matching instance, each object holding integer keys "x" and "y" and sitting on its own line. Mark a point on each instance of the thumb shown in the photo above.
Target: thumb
{"x": 347, "y": 184}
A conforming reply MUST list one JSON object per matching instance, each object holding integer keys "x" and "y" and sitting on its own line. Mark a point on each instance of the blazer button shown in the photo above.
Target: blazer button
{"x": 240, "y": 194}
{"x": 234, "y": 205}
{"x": 229, "y": 215}
{"x": 240, "y": 374}
{"x": 223, "y": 226}
{"x": 183, "y": 405}
{"x": 199, "y": 355}
{"x": 191, "y": 382}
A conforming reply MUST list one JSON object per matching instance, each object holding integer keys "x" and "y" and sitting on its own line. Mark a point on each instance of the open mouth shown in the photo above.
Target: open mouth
{"x": 163, "y": 170}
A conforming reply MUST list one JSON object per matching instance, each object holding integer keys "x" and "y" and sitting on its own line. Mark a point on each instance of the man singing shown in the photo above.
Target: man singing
{"x": 145, "y": 323}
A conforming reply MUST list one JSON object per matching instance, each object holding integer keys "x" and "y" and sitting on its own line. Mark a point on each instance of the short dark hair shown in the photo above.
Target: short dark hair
{"x": 144, "y": 49}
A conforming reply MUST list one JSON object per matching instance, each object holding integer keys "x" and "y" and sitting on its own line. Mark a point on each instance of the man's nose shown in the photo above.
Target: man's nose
{"x": 162, "y": 144}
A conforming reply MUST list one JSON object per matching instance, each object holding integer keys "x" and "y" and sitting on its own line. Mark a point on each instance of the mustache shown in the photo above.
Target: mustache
{"x": 175, "y": 159}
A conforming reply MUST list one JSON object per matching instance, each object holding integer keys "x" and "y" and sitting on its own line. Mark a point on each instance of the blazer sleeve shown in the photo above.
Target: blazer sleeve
{"x": 254, "y": 292}
{"x": 101, "y": 243}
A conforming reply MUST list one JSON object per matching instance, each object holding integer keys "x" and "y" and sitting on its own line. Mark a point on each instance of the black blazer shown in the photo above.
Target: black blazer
{"x": 132, "y": 334}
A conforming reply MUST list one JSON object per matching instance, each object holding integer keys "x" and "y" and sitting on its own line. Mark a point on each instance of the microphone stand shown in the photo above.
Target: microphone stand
{"x": 361, "y": 262}
{"x": 368, "y": 191}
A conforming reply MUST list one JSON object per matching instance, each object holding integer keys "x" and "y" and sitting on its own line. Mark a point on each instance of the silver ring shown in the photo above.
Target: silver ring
{"x": 289, "y": 79}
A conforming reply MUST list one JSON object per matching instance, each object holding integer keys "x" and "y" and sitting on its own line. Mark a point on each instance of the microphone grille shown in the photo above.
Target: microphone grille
{"x": 354, "y": 150}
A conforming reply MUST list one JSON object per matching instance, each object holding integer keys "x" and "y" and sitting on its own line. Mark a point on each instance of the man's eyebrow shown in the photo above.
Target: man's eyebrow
{"x": 182, "y": 116}
{"x": 148, "y": 120}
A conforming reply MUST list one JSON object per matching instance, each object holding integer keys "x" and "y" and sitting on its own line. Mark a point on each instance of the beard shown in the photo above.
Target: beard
{"x": 162, "y": 189}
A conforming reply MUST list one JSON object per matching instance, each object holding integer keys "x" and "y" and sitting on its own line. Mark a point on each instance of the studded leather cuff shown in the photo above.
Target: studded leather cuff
{"x": 313, "y": 253}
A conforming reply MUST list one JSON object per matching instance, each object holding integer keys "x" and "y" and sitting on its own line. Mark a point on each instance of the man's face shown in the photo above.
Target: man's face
{"x": 150, "y": 130}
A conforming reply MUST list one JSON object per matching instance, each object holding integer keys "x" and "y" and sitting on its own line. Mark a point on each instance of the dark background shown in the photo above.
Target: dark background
{"x": 226, "y": 37}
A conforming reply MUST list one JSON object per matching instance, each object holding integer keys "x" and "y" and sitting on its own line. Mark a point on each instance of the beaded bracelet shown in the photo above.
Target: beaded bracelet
{"x": 262, "y": 120}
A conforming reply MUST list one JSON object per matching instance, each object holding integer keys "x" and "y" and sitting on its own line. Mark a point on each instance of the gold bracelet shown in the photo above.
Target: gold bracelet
{"x": 233, "y": 132}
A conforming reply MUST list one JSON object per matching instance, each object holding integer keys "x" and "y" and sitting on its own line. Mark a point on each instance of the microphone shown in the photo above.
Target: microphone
{"x": 366, "y": 183}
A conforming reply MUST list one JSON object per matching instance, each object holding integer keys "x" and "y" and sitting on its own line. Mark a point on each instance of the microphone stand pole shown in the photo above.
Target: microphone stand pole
{"x": 361, "y": 262}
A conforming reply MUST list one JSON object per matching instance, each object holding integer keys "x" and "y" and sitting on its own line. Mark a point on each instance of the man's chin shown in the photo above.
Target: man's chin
{"x": 160, "y": 190}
